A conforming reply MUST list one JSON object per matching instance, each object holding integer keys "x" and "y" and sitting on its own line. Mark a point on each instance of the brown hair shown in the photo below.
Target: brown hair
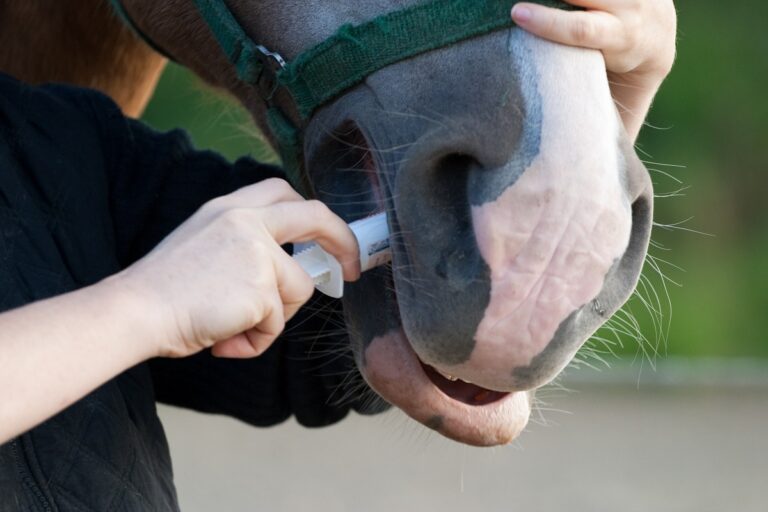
{"x": 81, "y": 42}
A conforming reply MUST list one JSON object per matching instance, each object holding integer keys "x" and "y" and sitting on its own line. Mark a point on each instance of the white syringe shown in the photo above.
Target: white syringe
{"x": 372, "y": 235}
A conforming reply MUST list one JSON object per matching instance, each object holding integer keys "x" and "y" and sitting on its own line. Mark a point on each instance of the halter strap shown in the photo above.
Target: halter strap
{"x": 119, "y": 8}
{"x": 345, "y": 59}
{"x": 356, "y": 51}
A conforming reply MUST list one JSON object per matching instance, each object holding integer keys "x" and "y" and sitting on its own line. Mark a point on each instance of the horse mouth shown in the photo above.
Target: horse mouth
{"x": 456, "y": 409}
{"x": 460, "y": 390}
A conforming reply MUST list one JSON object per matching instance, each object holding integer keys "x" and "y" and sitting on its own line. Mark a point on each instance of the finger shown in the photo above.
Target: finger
{"x": 264, "y": 193}
{"x": 603, "y": 5}
{"x": 290, "y": 312}
{"x": 236, "y": 347}
{"x": 589, "y": 29}
{"x": 266, "y": 332}
{"x": 312, "y": 220}
{"x": 293, "y": 283}
{"x": 256, "y": 340}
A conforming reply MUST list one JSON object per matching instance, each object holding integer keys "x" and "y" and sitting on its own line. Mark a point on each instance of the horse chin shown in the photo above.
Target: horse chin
{"x": 456, "y": 409}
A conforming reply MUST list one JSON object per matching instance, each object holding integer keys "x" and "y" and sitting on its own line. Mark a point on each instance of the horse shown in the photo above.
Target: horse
{"x": 520, "y": 215}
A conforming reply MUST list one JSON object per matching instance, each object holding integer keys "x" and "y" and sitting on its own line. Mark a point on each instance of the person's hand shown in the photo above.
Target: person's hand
{"x": 222, "y": 280}
{"x": 637, "y": 39}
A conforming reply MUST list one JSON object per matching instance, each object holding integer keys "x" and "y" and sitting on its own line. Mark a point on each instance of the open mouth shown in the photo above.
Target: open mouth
{"x": 461, "y": 391}
{"x": 456, "y": 409}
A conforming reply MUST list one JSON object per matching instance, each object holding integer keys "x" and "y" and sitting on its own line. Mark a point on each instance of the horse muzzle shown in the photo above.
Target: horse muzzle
{"x": 519, "y": 217}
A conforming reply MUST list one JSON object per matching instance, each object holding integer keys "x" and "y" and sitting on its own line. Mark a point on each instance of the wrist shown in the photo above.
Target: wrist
{"x": 639, "y": 80}
{"x": 136, "y": 311}
{"x": 634, "y": 95}
{"x": 653, "y": 71}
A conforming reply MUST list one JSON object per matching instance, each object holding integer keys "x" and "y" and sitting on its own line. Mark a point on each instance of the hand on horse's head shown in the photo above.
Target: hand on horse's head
{"x": 637, "y": 39}
{"x": 222, "y": 279}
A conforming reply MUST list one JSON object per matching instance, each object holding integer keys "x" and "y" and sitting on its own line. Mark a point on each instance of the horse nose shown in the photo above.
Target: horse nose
{"x": 510, "y": 218}
{"x": 507, "y": 245}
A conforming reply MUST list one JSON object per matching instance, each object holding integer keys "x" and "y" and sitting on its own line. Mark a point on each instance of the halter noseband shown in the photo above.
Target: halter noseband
{"x": 347, "y": 58}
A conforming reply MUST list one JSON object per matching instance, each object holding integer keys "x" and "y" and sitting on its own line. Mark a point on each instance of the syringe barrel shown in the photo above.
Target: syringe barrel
{"x": 372, "y": 235}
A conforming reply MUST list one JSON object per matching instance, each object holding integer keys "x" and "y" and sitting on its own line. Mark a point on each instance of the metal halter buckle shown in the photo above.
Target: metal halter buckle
{"x": 271, "y": 64}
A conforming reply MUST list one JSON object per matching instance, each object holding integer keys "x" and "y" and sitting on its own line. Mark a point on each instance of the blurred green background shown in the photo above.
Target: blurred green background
{"x": 708, "y": 138}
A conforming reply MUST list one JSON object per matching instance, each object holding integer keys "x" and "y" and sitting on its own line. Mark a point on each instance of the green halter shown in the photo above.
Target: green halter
{"x": 345, "y": 59}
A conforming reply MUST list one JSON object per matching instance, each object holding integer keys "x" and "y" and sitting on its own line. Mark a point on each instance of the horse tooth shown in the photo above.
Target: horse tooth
{"x": 449, "y": 377}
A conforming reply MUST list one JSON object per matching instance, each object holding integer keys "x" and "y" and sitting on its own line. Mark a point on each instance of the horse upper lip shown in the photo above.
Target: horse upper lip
{"x": 444, "y": 374}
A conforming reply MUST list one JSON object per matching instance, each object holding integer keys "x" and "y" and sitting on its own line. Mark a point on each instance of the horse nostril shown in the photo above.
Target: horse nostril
{"x": 456, "y": 163}
{"x": 633, "y": 259}
{"x": 454, "y": 167}
{"x": 642, "y": 212}
{"x": 448, "y": 184}
{"x": 449, "y": 208}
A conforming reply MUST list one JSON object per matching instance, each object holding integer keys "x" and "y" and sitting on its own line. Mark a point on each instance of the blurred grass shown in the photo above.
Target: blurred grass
{"x": 713, "y": 114}
{"x": 212, "y": 118}
{"x": 713, "y": 136}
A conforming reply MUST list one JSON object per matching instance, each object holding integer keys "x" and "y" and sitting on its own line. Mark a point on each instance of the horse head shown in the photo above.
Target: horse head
{"x": 519, "y": 212}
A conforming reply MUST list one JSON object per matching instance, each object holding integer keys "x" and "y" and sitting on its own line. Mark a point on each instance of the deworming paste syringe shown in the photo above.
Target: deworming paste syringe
{"x": 372, "y": 235}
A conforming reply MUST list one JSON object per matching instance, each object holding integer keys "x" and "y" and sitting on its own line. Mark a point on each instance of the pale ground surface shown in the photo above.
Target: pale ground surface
{"x": 662, "y": 448}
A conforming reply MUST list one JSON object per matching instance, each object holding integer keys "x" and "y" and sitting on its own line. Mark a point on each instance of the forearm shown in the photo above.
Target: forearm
{"x": 221, "y": 280}
{"x": 54, "y": 352}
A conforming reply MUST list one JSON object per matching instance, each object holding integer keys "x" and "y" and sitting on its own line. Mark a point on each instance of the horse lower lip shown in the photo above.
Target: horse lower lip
{"x": 466, "y": 413}
{"x": 462, "y": 391}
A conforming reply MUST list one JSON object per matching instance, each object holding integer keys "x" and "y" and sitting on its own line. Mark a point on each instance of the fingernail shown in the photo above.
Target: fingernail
{"x": 521, "y": 13}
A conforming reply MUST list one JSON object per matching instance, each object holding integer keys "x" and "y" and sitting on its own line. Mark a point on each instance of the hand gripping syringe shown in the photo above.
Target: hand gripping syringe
{"x": 372, "y": 236}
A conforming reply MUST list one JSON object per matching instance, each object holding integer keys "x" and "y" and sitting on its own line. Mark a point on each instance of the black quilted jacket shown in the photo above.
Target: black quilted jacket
{"x": 83, "y": 193}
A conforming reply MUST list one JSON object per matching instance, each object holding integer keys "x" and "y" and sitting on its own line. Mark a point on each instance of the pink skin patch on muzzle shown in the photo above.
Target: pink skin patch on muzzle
{"x": 551, "y": 238}
{"x": 549, "y": 250}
